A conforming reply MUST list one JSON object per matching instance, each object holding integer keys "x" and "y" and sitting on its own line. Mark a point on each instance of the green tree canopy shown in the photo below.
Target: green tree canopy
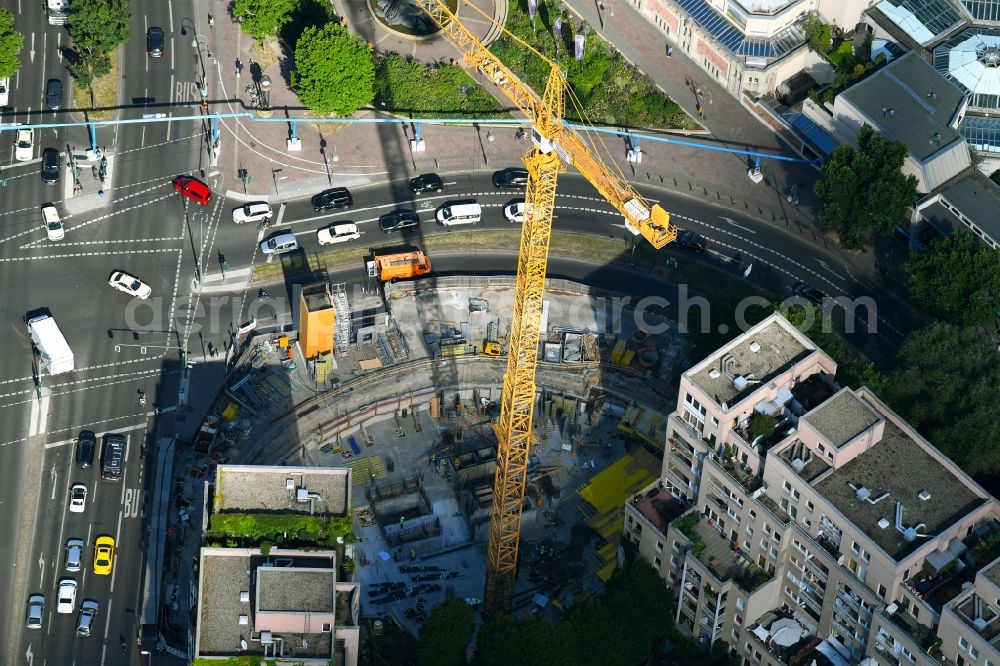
{"x": 864, "y": 189}
{"x": 11, "y": 43}
{"x": 446, "y": 634}
{"x": 948, "y": 386}
{"x": 956, "y": 279}
{"x": 97, "y": 27}
{"x": 261, "y": 19}
{"x": 334, "y": 70}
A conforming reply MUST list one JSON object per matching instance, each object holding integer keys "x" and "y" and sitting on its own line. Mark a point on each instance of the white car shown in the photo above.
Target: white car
{"x": 77, "y": 498}
{"x": 36, "y": 608}
{"x": 255, "y": 211}
{"x": 514, "y": 212}
{"x": 338, "y": 233}
{"x": 74, "y": 554}
{"x": 24, "y": 145}
{"x": 130, "y": 284}
{"x": 53, "y": 224}
{"x": 66, "y": 600}
{"x": 4, "y": 91}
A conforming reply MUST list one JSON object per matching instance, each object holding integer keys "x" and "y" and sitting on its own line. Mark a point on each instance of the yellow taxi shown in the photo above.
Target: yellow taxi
{"x": 104, "y": 555}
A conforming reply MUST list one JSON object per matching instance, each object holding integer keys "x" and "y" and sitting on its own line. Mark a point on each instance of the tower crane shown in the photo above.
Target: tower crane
{"x": 554, "y": 146}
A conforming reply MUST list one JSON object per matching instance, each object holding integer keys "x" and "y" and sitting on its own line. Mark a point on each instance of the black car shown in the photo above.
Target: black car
{"x": 51, "y": 164}
{"x": 426, "y": 182}
{"x": 398, "y": 220}
{"x": 810, "y": 293}
{"x": 510, "y": 177}
{"x": 154, "y": 42}
{"x": 113, "y": 457}
{"x": 691, "y": 241}
{"x": 335, "y": 197}
{"x": 86, "y": 444}
{"x": 54, "y": 94}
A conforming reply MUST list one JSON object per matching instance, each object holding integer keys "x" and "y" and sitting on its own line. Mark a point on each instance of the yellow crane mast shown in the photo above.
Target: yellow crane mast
{"x": 554, "y": 145}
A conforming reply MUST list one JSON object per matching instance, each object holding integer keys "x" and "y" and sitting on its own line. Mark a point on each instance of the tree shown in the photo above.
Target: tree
{"x": 261, "y": 19}
{"x": 956, "y": 279}
{"x": 446, "y": 634}
{"x": 97, "y": 27}
{"x": 864, "y": 189}
{"x": 11, "y": 43}
{"x": 948, "y": 387}
{"x": 817, "y": 33}
{"x": 334, "y": 71}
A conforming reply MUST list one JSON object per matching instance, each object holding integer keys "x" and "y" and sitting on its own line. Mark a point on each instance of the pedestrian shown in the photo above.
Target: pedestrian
{"x": 211, "y": 21}
{"x": 100, "y": 194}
{"x": 670, "y": 51}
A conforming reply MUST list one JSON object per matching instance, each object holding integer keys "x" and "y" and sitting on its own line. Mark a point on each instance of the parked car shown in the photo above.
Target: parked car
{"x": 36, "y": 609}
{"x": 338, "y": 233}
{"x": 810, "y": 293}
{"x": 335, "y": 197}
{"x": 129, "y": 284}
{"x": 104, "y": 555}
{"x": 426, "y": 182}
{"x": 254, "y": 211}
{"x": 398, "y": 220}
{"x": 53, "y": 223}
{"x": 4, "y": 91}
{"x": 77, "y": 498}
{"x": 85, "y": 621}
{"x": 511, "y": 177}
{"x": 66, "y": 597}
{"x": 691, "y": 241}
{"x": 154, "y": 42}
{"x": 54, "y": 94}
{"x": 74, "y": 555}
{"x": 86, "y": 444}
{"x": 193, "y": 189}
{"x": 51, "y": 165}
{"x": 24, "y": 145}
{"x": 514, "y": 211}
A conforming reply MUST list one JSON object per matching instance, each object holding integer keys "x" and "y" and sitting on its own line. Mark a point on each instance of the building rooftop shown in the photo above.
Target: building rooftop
{"x": 922, "y": 20}
{"x": 842, "y": 418}
{"x": 809, "y": 467}
{"x": 970, "y": 59}
{"x": 908, "y": 101}
{"x": 228, "y": 576}
{"x": 734, "y": 371}
{"x": 317, "y": 297}
{"x": 253, "y": 488}
{"x": 895, "y": 472}
{"x": 993, "y": 572}
{"x": 295, "y": 589}
{"x": 969, "y": 201}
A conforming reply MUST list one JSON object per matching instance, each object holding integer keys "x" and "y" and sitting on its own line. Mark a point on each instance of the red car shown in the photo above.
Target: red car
{"x": 193, "y": 189}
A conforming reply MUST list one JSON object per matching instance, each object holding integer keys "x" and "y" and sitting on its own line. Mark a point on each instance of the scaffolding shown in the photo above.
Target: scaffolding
{"x": 342, "y": 322}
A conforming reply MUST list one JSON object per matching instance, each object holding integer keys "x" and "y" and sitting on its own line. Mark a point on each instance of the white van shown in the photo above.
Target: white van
{"x": 453, "y": 213}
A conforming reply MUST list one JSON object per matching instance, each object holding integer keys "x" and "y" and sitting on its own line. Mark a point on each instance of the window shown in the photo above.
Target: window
{"x": 659, "y": 547}
{"x": 855, "y": 548}
{"x": 767, "y": 528}
{"x": 753, "y": 515}
{"x": 784, "y": 503}
{"x": 808, "y": 524}
{"x": 810, "y": 506}
{"x": 776, "y": 536}
{"x": 740, "y": 604}
{"x": 796, "y": 495}
{"x": 327, "y": 627}
{"x": 787, "y": 486}
{"x": 657, "y": 563}
{"x": 715, "y": 422}
{"x": 881, "y": 591}
{"x": 973, "y": 653}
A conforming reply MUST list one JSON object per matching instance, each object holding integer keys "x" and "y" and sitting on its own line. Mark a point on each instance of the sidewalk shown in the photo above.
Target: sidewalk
{"x": 356, "y": 154}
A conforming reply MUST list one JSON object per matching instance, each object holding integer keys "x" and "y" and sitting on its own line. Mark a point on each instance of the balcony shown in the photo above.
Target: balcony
{"x": 982, "y": 616}
{"x": 719, "y": 555}
{"x": 923, "y": 636}
{"x": 658, "y": 507}
{"x": 784, "y": 638}
{"x": 938, "y": 587}
{"x": 828, "y": 544}
{"x": 775, "y": 510}
{"x": 740, "y": 474}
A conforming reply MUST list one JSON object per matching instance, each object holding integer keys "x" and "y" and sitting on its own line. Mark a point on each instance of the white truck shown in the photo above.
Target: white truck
{"x": 55, "y": 353}
{"x": 56, "y": 11}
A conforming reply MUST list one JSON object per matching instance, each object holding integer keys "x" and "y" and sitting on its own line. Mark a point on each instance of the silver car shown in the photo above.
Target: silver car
{"x": 85, "y": 621}
{"x": 36, "y": 607}
{"x": 74, "y": 554}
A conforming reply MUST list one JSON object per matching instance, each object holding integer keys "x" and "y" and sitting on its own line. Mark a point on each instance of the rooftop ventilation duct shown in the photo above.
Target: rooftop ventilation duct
{"x": 884, "y": 523}
{"x": 714, "y": 373}
{"x": 244, "y": 596}
{"x": 755, "y": 347}
{"x": 244, "y": 619}
{"x": 289, "y": 484}
{"x": 924, "y": 495}
{"x": 302, "y": 495}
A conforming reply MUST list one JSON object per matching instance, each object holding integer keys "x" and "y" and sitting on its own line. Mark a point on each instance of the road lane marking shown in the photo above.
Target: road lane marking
{"x": 39, "y": 415}
{"x": 730, "y": 221}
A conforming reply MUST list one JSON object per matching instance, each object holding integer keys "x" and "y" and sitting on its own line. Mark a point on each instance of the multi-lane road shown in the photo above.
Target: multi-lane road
{"x": 122, "y": 345}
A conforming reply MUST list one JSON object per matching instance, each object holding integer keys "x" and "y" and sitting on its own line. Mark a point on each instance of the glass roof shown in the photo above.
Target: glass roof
{"x": 736, "y": 40}
{"x": 981, "y": 133}
{"x": 983, "y": 10}
{"x": 972, "y": 60}
{"x": 923, "y": 20}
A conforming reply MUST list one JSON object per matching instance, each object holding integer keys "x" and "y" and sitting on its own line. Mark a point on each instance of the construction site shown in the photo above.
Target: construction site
{"x": 406, "y": 394}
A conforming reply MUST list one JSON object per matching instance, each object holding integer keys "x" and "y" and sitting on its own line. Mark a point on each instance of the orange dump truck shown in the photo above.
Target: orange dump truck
{"x": 404, "y": 265}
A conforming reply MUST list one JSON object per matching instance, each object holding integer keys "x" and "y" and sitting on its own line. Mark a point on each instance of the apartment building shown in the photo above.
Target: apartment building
{"x": 821, "y": 525}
